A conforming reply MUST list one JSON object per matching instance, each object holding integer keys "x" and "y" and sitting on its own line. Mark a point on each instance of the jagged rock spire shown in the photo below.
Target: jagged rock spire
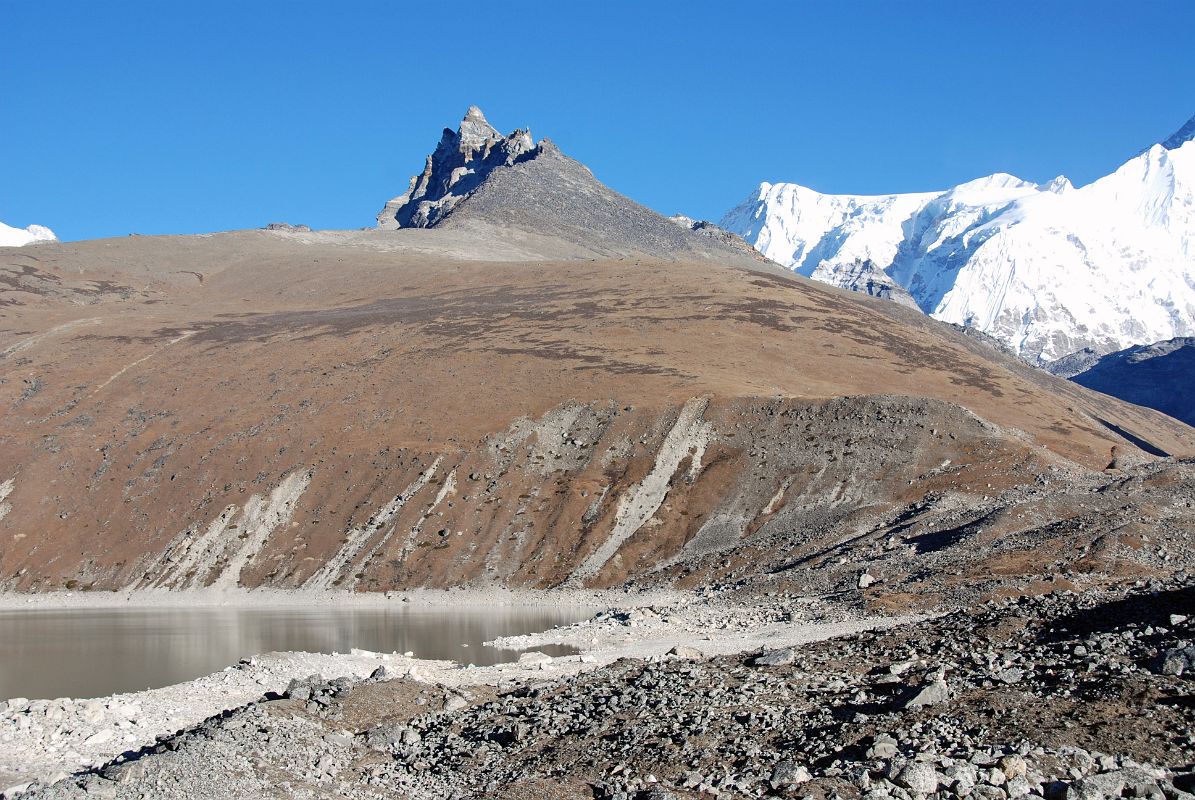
{"x": 462, "y": 160}
{"x": 475, "y": 131}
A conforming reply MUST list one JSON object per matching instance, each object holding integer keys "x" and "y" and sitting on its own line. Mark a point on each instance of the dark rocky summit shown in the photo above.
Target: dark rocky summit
{"x": 1072, "y": 364}
{"x": 1180, "y": 137}
{"x": 478, "y": 178}
{"x": 460, "y": 163}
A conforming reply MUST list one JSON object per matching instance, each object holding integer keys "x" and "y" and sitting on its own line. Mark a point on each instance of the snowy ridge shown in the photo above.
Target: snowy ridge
{"x": 1048, "y": 269}
{"x": 19, "y": 237}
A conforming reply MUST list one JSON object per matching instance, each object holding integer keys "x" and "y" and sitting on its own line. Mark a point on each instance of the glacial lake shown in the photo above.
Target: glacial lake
{"x": 92, "y": 652}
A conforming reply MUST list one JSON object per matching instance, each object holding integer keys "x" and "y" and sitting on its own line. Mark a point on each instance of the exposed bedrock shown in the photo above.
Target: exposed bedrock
{"x": 817, "y": 492}
{"x": 461, "y": 161}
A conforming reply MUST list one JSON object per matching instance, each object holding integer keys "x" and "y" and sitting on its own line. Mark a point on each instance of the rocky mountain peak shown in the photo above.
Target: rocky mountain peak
{"x": 479, "y": 179}
{"x": 475, "y": 131}
{"x": 459, "y": 164}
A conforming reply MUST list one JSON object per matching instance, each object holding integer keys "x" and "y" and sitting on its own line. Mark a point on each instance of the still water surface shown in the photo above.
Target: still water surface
{"x": 48, "y": 653}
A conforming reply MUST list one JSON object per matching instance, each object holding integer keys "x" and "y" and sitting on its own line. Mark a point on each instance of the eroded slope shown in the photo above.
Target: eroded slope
{"x": 385, "y": 409}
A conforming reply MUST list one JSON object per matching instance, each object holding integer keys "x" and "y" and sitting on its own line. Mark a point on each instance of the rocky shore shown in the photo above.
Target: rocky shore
{"x": 1064, "y": 695}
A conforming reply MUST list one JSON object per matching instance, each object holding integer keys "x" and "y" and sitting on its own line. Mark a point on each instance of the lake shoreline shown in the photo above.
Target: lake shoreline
{"x": 291, "y": 598}
{"x": 48, "y": 740}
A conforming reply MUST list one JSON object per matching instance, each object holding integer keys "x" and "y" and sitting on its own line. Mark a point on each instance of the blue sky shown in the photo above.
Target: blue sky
{"x": 157, "y": 117}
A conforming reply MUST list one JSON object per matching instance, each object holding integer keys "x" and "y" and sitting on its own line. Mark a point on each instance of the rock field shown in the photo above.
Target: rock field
{"x": 1062, "y": 695}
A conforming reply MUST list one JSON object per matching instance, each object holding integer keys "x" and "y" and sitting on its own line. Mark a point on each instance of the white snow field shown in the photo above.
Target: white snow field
{"x": 1047, "y": 269}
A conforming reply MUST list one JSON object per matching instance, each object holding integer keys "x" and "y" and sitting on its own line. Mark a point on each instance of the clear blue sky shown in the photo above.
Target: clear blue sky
{"x": 164, "y": 117}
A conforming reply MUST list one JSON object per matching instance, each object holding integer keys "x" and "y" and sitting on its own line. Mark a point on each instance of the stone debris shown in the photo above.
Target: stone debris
{"x": 1092, "y": 715}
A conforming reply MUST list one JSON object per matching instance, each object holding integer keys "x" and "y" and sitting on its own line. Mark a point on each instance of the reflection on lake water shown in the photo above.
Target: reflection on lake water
{"x": 48, "y": 653}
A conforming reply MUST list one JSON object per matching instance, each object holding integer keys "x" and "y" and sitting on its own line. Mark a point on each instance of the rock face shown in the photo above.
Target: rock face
{"x": 1048, "y": 269}
{"x": 862, "y": 275}
{"x": 1159, "y": 375}
{"x": 460, "y": 163}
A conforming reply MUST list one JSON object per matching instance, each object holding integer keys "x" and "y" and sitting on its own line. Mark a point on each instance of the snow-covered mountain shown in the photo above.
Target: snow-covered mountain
{"x": 18, "y": 237}
{"x": 1048, "y": 269}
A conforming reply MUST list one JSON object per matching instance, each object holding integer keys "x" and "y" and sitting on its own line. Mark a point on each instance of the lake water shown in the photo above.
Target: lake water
{"x": 49, "y": 653}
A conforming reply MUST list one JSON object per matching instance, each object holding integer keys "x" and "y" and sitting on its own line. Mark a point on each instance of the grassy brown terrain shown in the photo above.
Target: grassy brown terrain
{"x": 440, "y": 407}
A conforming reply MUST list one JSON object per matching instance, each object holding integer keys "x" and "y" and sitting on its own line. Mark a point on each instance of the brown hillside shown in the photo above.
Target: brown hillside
{"x": 435, "y": 407}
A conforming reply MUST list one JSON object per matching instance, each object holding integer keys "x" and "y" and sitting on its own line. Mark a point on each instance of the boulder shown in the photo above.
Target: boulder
{"x": 775, "y": 658}
{"x": 930, "y": 694}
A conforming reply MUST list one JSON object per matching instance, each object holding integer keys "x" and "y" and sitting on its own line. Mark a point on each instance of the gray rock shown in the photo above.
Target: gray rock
{"x": 382, "y": 737}
{"x": 987, "y": 792}
{"x": 1017, "y": 787}
{"x": 681, "y": 651}
{"x": 931, "y": 694}
{"x": 962, "y": 777}
{"x": 775, "y": 658}
{"x": 340, "y": 739}
{"x": 918, "y": 777}
{"x": 1010, "y": 675}
{"x": 1097, "y": 787}
{"x": 789, "y": 773}
{"x": 993, "y": 776}
{"x": 454, "y": 702}
{"x": 884, "y": 746}
{"x": 657, "y": 792}
{"x": 1013, "y": 766}
{"x": 1178, "y": 660}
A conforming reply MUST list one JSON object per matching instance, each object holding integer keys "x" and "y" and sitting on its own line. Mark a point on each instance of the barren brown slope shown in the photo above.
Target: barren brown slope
{"x": 383, "y": 409}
